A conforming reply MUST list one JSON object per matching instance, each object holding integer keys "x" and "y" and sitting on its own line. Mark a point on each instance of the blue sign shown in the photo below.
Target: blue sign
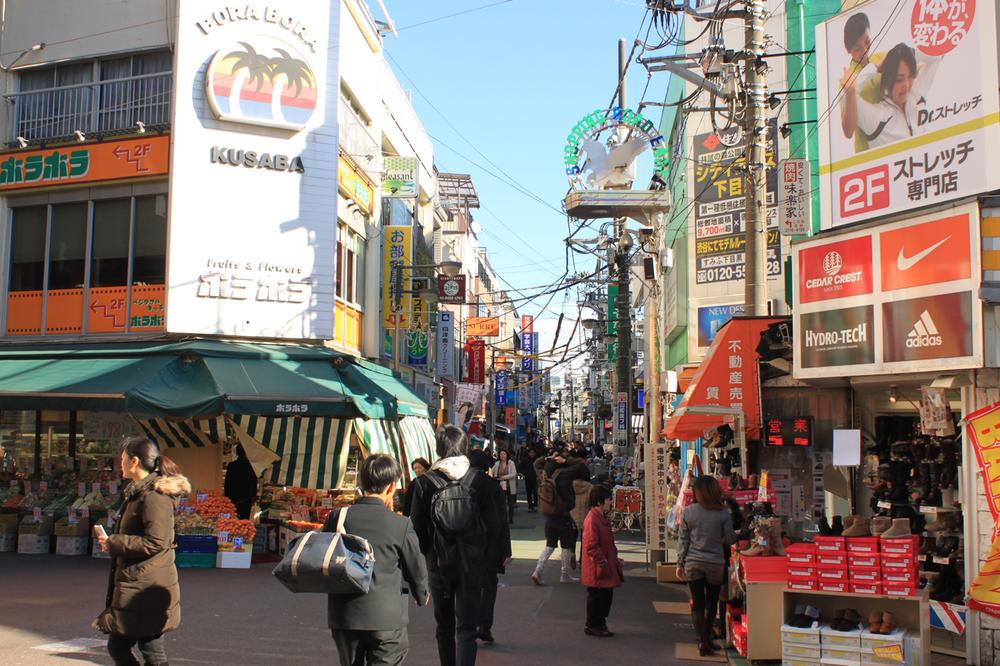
{"x": 712, "y": 318}
{"x": 501, "y": 388}
{"x": 641, "y": 399}
{"x": 528, "y": 347}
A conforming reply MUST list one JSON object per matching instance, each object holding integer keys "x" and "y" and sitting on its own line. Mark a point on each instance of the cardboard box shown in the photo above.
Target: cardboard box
{"x": 850, "y": 654}
{"x": 29, "y": 526}
{"x": 33, "y": 544}
{"x": 840, "y": 639}
{"x": 80, "y": 529}
{"x": 8, "y": 542}
{"x": 801, "y": 571}
{"x": 799, "y": 636}
{"x": 831, "y": 574}
{"x": 801, "y": 583}
{"x": 233, "y": 560}
{"x": 865, "y": 574}
{"x": 8, "y": 523}
{"x": 831, "y": 559}
{"x": 793, "y": 651}
{"x": 870, "y": 560}
{"x": 827, "y": 586}
{"x": 666, "y": 572}
{"x": 869, "y": 641}
{"x": 72, "y": 545}
{"x": 830, "y": 544}
{"x": 866, "y": 588}
{"x": 862, "y": 544}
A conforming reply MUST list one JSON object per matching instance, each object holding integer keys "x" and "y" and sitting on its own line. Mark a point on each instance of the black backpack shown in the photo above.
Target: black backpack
{"x": 456, "y": 519}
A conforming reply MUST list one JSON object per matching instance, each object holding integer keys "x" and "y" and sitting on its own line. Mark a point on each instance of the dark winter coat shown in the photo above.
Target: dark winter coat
{"x": 241, "y": 485}
{"x": 600, "y": 566}
{"x": 573, "y": 468}
{"x": 144, "y": 598}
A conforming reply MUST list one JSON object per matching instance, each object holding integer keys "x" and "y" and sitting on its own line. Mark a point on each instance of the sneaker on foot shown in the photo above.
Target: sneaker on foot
{"x": 566, "y": 578}
{"x": 536, "y": 578}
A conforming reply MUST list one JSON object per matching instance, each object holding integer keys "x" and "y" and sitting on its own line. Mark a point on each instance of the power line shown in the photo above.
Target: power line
{"x": 448, "y": 16}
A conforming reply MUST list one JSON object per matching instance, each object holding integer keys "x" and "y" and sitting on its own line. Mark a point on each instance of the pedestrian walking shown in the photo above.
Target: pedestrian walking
{"x": 498, "y": 552}
{"x": 706, "y": 532}
{"x": 505, "y": 472}
{"x": 556, "y": 499}
{"x": 144, "y": 597}
{"x": 526, "y": 464}
{"x": 454, "y": 519}
{"x": 419, "y": 467}
{"x": 601, "y": 569}
{"x": 371, "y": 629}
{"x": 240, "y": 485}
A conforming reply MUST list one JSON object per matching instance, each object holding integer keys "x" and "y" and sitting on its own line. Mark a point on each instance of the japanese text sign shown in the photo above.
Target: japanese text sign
{"x": 794, "y": 196}
{"x": 788, "y": 432}
{"x": 397, "y": 254}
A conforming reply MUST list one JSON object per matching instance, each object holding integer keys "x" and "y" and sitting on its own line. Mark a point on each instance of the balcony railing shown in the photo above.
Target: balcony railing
{"x": 101, "y": 108}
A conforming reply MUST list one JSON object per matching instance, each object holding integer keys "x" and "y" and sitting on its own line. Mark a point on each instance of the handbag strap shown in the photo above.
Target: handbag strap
{"x": 299, "y": 547}
{"x": 341, "y": 519}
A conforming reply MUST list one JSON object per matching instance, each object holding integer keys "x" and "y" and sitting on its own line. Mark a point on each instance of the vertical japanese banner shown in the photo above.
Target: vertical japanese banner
{"x": 501, "y": 388}
{"x": 445, "y": 344}
{"x": 657, "y": 490}
{"x": 474, "y": 362}
{"x": 397, "y": 250}
{"x": 416, "y": 339}
{"x": 983, "y": 431}
{"x": 527, "y": 342}
{"x": 794, "y": 197}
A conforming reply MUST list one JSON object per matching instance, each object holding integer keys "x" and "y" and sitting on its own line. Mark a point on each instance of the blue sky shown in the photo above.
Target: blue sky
{"x": 510, "y": 81}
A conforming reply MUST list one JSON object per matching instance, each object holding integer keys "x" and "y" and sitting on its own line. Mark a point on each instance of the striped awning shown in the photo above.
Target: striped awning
{"x": 418, "y": 441}
{"x": 184, "y": 434}
{"x": 313, "y": 450}
{"x": 377, "y": 436}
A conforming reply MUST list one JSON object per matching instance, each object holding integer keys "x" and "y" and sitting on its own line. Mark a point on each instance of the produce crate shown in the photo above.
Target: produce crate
{"x": 72, "y": 545}
{"x": 197, "y": 543}
{"x": 8, "y": 542}
{"x": 33, "y": 544}
{"x": 233, "y": 560}
{"x": 195, "y": 560}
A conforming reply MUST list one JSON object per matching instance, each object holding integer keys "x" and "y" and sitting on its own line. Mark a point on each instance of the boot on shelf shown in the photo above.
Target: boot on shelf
{"x": 837, "y": 526}
{"x": 860, "y": 527}
{"x": 933, "y": 498}
{"x": 824, "y": 527}
{"x": 879, "y": 524}
{"x": 900, "y": 529}
{"x": 774, "y": 536}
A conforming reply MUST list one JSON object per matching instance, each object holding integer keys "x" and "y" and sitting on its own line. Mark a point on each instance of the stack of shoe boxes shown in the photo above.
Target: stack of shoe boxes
{"x": 831, "y": 564}
{"x": 863, "y": 560}
{"x": 900, "y": 570}
{"x": 801, "y": 558}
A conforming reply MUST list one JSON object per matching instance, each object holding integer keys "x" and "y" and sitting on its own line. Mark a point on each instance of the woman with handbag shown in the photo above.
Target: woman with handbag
{"x": 602, "y": 570}
{"x": 144, "y": 598}
{"x": 505, "y": 472}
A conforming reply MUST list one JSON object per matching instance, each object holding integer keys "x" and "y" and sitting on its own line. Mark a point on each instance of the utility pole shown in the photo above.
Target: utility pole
{"x": 622, "y": 301}
{"x": 755, "y": 214}
{"x": 572, "y": 409}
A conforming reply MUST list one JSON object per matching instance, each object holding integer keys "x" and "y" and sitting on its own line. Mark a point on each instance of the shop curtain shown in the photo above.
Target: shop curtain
{"x": 313, "y": 450}
{"x": 418, "y": 441}
{"x": 184, "y": 434}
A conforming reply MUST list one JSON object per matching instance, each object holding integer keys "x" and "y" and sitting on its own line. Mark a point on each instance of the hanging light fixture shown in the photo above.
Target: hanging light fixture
{"x": 893, "y": 394}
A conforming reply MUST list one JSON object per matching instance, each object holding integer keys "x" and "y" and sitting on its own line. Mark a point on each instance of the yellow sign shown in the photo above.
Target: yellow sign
{"x": 397, "y": 250}
{"x": 482, "y": 327}
{"x": 355, "y": 186}
{"x": 892, "y": 652}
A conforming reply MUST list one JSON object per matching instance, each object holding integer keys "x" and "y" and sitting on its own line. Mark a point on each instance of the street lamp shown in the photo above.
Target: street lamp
{"x": 590, "y": 324}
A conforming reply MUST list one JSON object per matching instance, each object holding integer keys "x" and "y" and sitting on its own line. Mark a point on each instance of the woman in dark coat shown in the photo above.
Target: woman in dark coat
{"x": 144, "y": 597}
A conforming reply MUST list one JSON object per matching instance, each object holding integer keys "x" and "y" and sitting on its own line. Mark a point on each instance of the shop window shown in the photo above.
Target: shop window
{"x": 67, "y": 246}
{"x": 109, "y": 245}
{"x": 349, "y": 269}
{"x": 149, "y": 262}
{"x": 27, "y": 260}
{"x": 340, "y": 265}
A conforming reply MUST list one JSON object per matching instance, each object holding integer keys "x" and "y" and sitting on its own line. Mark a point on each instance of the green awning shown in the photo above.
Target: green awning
{"x": 200, "y": 378}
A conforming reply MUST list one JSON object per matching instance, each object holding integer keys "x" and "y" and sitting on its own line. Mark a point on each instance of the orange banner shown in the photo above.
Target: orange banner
{"x": 482, "y": 327}
{"x": 983, "y": 430}
{"x": 89, "y": 163}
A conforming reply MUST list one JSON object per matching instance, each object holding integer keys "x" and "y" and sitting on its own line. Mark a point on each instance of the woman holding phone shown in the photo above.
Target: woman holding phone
{"x": 143, "y": 599}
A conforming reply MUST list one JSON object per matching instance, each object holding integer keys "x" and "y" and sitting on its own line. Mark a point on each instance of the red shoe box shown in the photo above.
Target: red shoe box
{"x": 801, "y": 553}
{"x": 740, "y": 643}
{"x": 864, "y": 560}
{"x": 898, "y": 562}
{"x": 865, "y": 588}
{"x": 801, "y": 571}
{"x": 802, "y": 584}
{"x": 907, "y": 546}
{"x": 862, "y": 544}
{"x": 761, "y": 569}
{"x": 831, "y": 559}
{"x": 827, "y": 586}
{"x": 866, "y": 574}
{"x": 829, "y": 543}
{"x": 899, "y": 589}
{"x": 831, "y": 574}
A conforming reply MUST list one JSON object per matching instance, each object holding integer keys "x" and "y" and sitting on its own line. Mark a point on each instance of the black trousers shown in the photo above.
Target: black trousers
{"x": 599, "y": 606}
{"x": 531, "y": 492}
{"x": 511, "y": 503}
{"x": 704, "y": 599}
{"x": 560, "y": 531}
{"x": 371, "y": 648}
{"x": 487, "y": 601}
{"x": 152, "y": 650}
{"x": 456, "y": 612}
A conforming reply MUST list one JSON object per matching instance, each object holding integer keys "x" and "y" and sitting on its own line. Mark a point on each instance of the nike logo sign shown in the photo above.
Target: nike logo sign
{"x": 905, "y": 263}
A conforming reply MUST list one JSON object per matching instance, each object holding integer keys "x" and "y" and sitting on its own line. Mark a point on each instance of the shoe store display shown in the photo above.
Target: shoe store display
{"x": 879, "y": 524}
{"x": 837, "y": 526}
{"x": 900, "y": 529}
{"x": 847, "y": 619}
{"x": 860, "y": 526}
{"x": 804, "y": 616}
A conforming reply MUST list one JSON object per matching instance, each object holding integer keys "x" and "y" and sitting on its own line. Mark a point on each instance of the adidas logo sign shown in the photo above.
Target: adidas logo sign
{"x": 924, "y": 333}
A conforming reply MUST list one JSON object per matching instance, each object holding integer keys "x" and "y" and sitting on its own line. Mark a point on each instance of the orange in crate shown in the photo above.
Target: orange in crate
{"x": 627, "y": 499}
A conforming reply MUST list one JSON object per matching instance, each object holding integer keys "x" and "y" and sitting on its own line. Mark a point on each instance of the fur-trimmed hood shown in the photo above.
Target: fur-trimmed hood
{"x": 454, "y": 468}
{"x": 172, "y": 486}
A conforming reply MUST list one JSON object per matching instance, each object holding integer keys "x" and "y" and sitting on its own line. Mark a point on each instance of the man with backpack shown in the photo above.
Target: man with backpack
{"x": 556, "y": 499}
{"x": 455, "y": 519}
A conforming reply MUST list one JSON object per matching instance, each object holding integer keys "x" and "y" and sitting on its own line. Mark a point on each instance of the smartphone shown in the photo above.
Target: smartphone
{"x": 99, "y": 532}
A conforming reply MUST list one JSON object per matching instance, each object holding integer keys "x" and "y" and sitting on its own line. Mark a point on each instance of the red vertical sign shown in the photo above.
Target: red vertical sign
{"x": 474, "y": 362}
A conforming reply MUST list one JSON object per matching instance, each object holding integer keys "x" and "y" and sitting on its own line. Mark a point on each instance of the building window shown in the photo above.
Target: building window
{"x": 149, "y": 255}
{"x": 109, "y": 243}
{"x": 27, "y": 249}
{"x": 67, "y": 246}
{"x": 340, "y": 263}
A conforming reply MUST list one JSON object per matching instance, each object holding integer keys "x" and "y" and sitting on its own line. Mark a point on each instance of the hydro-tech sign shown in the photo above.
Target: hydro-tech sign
{"x": 898, "y": 297}
{"x": 591, "y": 163}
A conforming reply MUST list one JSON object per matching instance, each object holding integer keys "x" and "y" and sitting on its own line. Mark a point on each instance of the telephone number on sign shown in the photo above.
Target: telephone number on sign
{"x": 726, "y": 273}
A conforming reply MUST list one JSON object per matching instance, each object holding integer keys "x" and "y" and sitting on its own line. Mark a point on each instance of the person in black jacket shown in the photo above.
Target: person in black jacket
{"x": 498, "y": 552}
{"x": 455, "y": 562}
{"x": 371, "y": 628}
{"x": 526, "y": 465}
{"x": 419, "y": 467}
{"x": 241, "y": 483}
{"x": 560, "y": 530}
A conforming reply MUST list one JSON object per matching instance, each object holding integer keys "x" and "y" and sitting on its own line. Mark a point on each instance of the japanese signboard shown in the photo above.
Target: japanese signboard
{"x": 719, "y": 209}
{"x": 445, "y": 351}
{"x": 451, "y": 289}
{"x": 482, "y": 327}
{"x": 527, "y": 342}
{"x": 397, "y": 252}
{"x": 788, "y": 432}
{"x": 794, "y": 197}
{"x": 711, "y": 318}
{"x": 417, "y": 338}
{"x": 500, "y": 386}
{"x": 91, "y": 163}
{"x": 899, "y": 297}
{"x": 355, "y": 186}
{"x": 912, "y": 89}
{"x": 983, "y": 431}
{"x": 474, "y": 362}
{"x": 399, "y": 177}
{"x": 621, "y": 414}
{"x": 657, "y": 490}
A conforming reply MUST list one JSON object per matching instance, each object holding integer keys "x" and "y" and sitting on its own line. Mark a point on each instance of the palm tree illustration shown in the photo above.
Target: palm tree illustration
{"x": 250, "y": 68}
{"x": 286, "y": 72}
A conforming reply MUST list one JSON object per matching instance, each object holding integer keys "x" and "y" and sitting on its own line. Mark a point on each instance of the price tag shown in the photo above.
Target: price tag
{"x": 85, "y": 512}
{"x": 81, "y": 489}
{"x": 883, "y": 504}
{"x": 940, "y": 560}
{"x": 201, "y": 497}
{"x": 223, "y": 537}
{"x": 72, "y": 519}
{"x": 27, "y": 486}
{"x": 113, "y": 486}
{"x": 237, "y": 543}
{"x": 96, "y": 487}
{"x": 225, "y": 515}
{"x": 928, "y": 509}
{"x": 36, "y": 514}
{"x": 327, "y": 502}
{"x": 43, "y": 488}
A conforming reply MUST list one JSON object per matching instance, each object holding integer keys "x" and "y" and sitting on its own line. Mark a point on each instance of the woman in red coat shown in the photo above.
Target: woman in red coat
{"x": 602, "y": 570}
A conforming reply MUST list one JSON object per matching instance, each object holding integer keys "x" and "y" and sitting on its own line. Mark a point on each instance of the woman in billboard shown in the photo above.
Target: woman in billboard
{"x": 903, "y": 82}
